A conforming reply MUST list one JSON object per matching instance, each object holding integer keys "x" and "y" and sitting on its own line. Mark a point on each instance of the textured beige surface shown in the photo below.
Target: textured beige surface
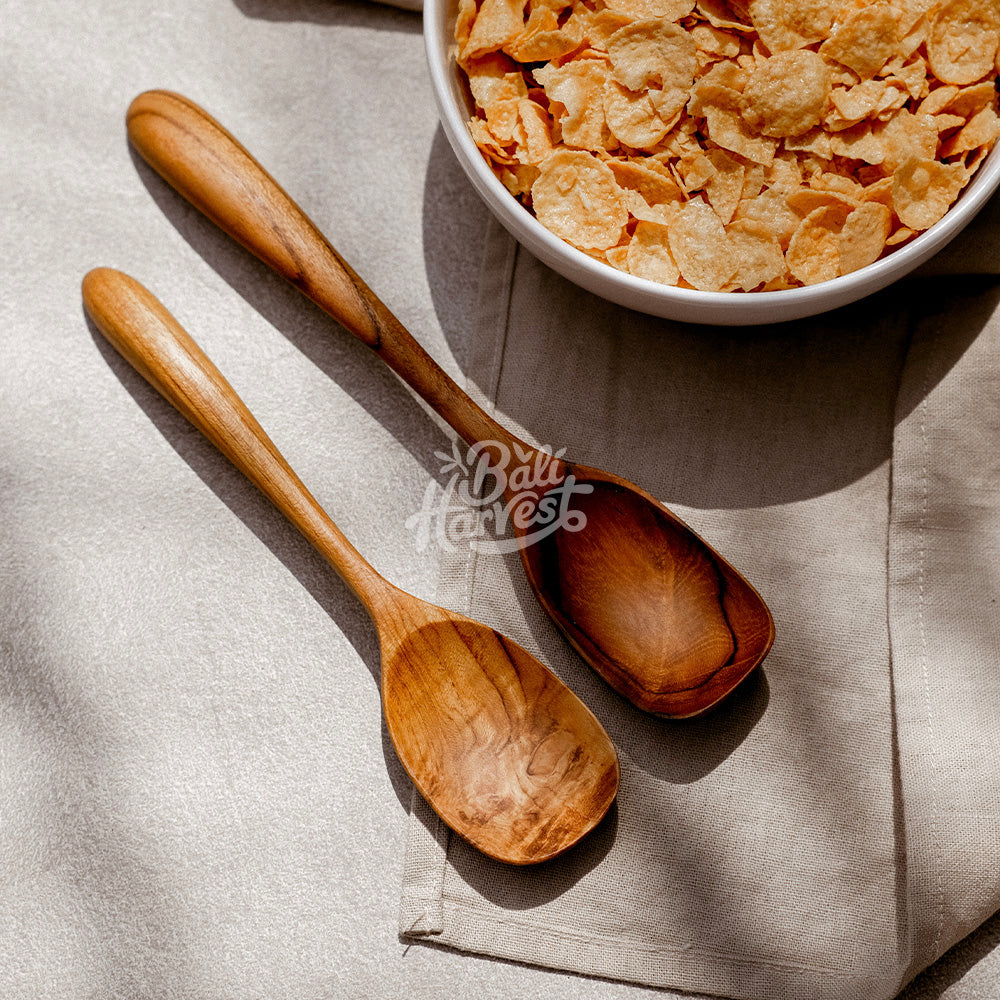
{"x": 197, "y": 797}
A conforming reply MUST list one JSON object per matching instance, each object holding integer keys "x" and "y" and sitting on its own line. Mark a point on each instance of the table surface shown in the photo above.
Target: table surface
{"x": 333, "y": 97}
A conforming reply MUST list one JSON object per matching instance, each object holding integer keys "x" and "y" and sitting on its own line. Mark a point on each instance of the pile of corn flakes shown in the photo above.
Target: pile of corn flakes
{"x": 730, "y": 145}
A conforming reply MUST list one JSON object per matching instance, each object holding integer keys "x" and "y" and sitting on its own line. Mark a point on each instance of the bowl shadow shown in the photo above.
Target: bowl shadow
{"x": 348, "y": 13}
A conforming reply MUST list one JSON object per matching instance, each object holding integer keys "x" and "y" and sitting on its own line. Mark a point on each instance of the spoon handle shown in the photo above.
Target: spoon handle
{"x": 205, "y": 164}
{"x": 154, "y": 343}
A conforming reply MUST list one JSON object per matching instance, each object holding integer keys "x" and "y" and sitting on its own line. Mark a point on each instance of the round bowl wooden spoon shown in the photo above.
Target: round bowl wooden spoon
{"x": 656, "y": 611}
{"x": 502, "y": 750}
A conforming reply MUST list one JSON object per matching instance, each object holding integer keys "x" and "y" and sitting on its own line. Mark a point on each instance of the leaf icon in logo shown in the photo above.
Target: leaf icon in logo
{"x": 523, "y": 456}
{"x": 451, "y": 462}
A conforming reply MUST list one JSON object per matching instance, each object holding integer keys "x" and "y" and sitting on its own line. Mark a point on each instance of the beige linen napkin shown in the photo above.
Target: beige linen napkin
{"x": 835, "y": 826}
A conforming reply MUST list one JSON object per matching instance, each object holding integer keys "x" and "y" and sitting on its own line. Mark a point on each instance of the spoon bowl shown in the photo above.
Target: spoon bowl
{"x": 514, "y": 776}
{"x": 673, "y": 627}
{"x": 648, "y": 604}
{"x": 500, "y": 748}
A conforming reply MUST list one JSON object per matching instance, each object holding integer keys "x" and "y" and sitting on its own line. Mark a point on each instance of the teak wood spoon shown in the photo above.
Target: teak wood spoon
{"x": 502, "y": 750}
{"x": 657, "y": 612}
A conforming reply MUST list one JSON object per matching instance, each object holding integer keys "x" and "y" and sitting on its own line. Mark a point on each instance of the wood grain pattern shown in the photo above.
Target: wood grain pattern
{"x": 659, "y": 614}
{"x": 502, "y": 750}
{"x": 214, "y": 172}
{"x": 673, "y": 627}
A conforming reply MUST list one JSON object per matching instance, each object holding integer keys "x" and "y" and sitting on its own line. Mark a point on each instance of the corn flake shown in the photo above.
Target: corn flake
{"x": 862, "y": 238}
{"x": 648, "y": 255}
{"x": 721, "y": 14}
{"x": 649, "y": 179}
{"x": 787, "y": 94}
{"x": 543, "y": 38}
{"x": 982, "y": 129}
{"x": 905, "y": 135}
{"x": 653, "y": 53}
{"x": 759, "y": 255}
{"x": 669, "y": 10}
{"x": 791, "y": 24}
{"x": 770, "y": 210}
{"x": 814, "y": 251}
{"x": 806, "y": 200}
{"x": 923, "y": 190}
{"x": 497, "y": 23}
{"x": 577, "y": 197}
{"x": 714, "y": 42}
{"x": 869, "y": 99}
{"x": 701, "y": 248}
{"x": 865, "y": 41}
{"x": 532, "y": 133}
{"x": 969, "y": 100}
{"x": 578, "y": 86}
{"x": 631, "y": 117}
{"x": 858, "y": 143}
{"x": 963, "y": 41}
{"x": 724, "y": 188}
{"x": 731, "y": 131}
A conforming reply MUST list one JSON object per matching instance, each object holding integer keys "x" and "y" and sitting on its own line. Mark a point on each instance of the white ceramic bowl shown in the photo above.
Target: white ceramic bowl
{"x": 689, "y": 305}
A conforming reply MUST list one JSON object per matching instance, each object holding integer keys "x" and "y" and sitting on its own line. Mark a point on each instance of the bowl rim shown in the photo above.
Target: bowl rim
{"x": 650, "y": 296}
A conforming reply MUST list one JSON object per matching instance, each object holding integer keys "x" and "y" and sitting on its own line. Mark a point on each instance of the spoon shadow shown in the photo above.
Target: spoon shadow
{"x": 255, "y": 511}
{"x": 678, "y": 751}
{"x": 343, "y": 12}
{"x": 525, "y": 889}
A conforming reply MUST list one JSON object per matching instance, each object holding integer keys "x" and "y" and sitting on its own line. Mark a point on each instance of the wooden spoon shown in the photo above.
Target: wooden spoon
{"x": 502, "y": 750}
{"x": 653, "y": 608}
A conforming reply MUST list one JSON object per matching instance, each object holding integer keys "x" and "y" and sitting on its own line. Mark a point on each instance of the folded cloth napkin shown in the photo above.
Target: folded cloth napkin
{"x": 833, "y": 827}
